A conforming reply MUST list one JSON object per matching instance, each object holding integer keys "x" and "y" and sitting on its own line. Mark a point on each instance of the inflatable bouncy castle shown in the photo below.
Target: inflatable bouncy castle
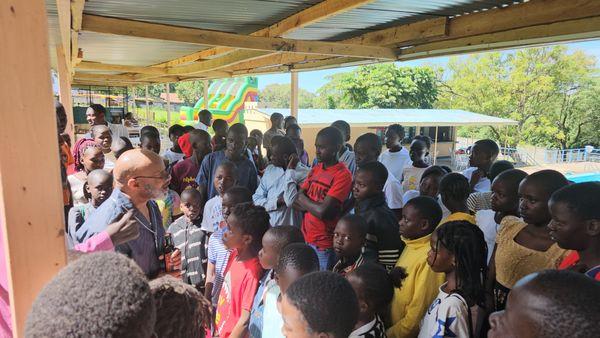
{"x": 226, "y": 99}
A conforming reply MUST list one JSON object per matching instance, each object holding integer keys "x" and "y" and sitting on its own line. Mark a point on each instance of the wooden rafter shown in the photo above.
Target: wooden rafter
{"x": 87, "y": 65}
{"x": 318, "y": 12}
{"x": 107, "y": 25}
{"x": 76, "y": 19}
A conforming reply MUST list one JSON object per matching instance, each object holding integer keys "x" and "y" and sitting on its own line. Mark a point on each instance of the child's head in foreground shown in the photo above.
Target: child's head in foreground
{"x": 102, "y": 135}
{"x": 454, "y": 190}
{"x": 576, "y": 216}
{"x": 121, "y": 145}
{"x": 320, "y": 304}
{"x": 550, "y": 303}
{"x": 180, "y": 310}
{"x": 191, "y": 204}
{"x": 458, "y": 248}
{"x": 175, "y": 132}
{"x": 534, "y": 193}
{"x": 232, "y": 196}
{"x": 99, "y": 186}
{"x": 420, "y": 216}
{"x": 349, "y": 236}
{"x": 225, "y": 176}
{"x": 369, "y": 180}
{"x": 483, "y": 154}
{"x": 328, "y": 143}
{"x": 274, "y": 240}
{"x": 505, "y": 191}
{"x": 295, "y": 260}
{"x": 367, "y": 148}
{"x": 374, "y": 288}
{"x": 247, "y": 224}
{"x": 97, "y": 295}
{"x": 430, "y": 181}
{"x": 150, "y": 141}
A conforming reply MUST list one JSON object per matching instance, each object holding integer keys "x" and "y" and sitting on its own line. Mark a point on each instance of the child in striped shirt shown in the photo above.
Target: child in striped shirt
{"x": 190, "y": 239}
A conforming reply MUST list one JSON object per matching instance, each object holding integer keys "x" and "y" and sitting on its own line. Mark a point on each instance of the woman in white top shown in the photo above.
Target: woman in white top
{"x": 88, "y": 156}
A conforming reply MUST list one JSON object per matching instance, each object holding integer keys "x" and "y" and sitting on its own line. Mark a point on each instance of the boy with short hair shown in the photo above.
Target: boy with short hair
{"x": 367, "y": 149}
{"x": 237, "y": 138}
{"x": 454, "y": 191}
{"x": 218, "y": 254}
{"x": 174, "y": 154}
{"x": 396, "y": 157}
{"x": 322, "y": 194}
{"x": 218, "y": 142}
{"x": 184, "y": 172}
{"x": 278, "y": 187}
{"x": 349, "y": 239}
{"x": 150, "y": 141}
{"x": 576, "y": 226}
{"x": 482, "y": 200}
{"x": 420, "y": 217}
{"x": 295, "y": 261}
{"x": 204, "y": 119}
{"x": 121, "y": 145}
{"x": 383, "y": 242}
{"x": 276, "y": 129}
{"x": 319, "y": 304}
{"x": 550, "y": 303}
{"x": 247, "y": 225}
{"x": 225, "y": 178}
{"x": 190, "y": 239}
{"x": 294, "y": 132}
{"x": 411, "y": 174}
{"x": 346, "y": 154}
{"x": 483, "y": 154}
{"x": 99, "y": 186}
{"x": 273, "y": 242}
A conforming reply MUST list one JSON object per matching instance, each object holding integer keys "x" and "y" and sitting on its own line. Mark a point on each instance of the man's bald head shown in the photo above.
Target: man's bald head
{"x": 137, "y": 162}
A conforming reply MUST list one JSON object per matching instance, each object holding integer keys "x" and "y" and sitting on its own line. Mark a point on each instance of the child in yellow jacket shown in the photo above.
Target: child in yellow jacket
{"x": 420, "y": 216}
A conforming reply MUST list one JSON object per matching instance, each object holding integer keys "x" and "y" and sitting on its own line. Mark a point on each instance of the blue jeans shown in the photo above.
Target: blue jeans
{"x": 326, "y": 257}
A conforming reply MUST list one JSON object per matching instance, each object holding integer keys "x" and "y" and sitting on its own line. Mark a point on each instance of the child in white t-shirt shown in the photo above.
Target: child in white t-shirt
{"x": 458, "y": 250}
{"x": 411, "y": 175}
{"x": 396, "y": 157}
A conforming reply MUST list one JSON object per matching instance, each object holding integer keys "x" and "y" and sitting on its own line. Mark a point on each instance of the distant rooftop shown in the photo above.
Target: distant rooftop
{"x": 384, "y": 117}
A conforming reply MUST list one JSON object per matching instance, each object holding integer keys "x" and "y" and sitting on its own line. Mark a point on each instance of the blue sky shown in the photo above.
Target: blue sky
{"x": 311, "y": 81}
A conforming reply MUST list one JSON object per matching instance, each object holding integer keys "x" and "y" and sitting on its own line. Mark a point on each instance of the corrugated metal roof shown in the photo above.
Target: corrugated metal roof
{"x": 387, "y": 13}
{"x": 384, "y": 117}
{"x": 235, "y": 16}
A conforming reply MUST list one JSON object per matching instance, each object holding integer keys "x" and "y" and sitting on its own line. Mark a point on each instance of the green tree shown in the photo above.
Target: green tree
{"x": 189, "y": 91}
{"x": 549, "y": 91}
{"x": 154, "y": 91}
{"x": 278, "y": 95}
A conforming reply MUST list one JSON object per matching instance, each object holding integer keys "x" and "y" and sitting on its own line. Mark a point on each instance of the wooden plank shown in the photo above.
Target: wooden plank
{"x": 205, "y": 85}
{"x": 168, "y": 104}
{"x": 64, "y": 24}
{"x": 31, "y": 203}
{"x": 318, "y": 12}
{"x": 218, "y": 63}
{"x": 88, "y": 65}
{"x": 76, "y": 19}
{"x": 294, "y": 94}
{"x": 64, "y": 86}
{"x": 555, "y": 32}
{"x": 107, "y": 25}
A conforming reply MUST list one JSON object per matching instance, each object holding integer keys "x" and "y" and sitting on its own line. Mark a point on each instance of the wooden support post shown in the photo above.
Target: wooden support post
{"x": 32, "y": 230}
{"x": 205, "y": 93}
{"x": 294, "y": 93}
{"x": 133, "y": 108}
{"x": 168, "y": 105}
{"x": 435, "y": 145}
{"x": 147, "y": 107}
{"x": 64, "y": 85}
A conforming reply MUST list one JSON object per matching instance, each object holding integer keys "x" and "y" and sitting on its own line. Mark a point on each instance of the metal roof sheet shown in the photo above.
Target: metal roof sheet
{"x": 384, "y": 117}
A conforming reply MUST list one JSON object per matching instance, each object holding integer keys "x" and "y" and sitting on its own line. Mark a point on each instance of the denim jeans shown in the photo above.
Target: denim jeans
{"x": 326, "y": 257}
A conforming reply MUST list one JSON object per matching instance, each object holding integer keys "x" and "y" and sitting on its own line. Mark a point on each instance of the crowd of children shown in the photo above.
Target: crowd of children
{"x": 363, "y": 243}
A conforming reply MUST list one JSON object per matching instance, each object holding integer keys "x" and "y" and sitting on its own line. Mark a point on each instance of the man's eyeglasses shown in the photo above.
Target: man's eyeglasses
{"x": 163, "y": 176}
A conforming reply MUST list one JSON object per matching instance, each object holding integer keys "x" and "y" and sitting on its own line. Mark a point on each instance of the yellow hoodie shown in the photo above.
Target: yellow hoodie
{"x": 419, "y": 289}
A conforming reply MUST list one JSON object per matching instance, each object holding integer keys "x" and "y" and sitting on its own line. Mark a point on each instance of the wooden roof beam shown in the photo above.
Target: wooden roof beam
{"x": 321, "y": 11}
{"x": 88, "y": 65}
{"x": 107, "y": 25}
{"x": 76, "y": 19}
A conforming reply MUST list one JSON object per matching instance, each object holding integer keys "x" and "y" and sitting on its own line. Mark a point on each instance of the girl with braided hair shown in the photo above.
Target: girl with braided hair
{"x": 458, "y": 249}
{"x": 88, "y": 156}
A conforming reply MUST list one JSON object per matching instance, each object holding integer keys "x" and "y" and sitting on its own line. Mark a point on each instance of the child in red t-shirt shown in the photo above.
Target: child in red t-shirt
{"x": 576, "y": 226}
{"x": 247, "y": 224}
{"x": 325, "y": 189}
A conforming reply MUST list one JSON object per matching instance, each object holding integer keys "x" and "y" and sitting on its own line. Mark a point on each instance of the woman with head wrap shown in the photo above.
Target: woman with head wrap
{"x": 88, "y": 156}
